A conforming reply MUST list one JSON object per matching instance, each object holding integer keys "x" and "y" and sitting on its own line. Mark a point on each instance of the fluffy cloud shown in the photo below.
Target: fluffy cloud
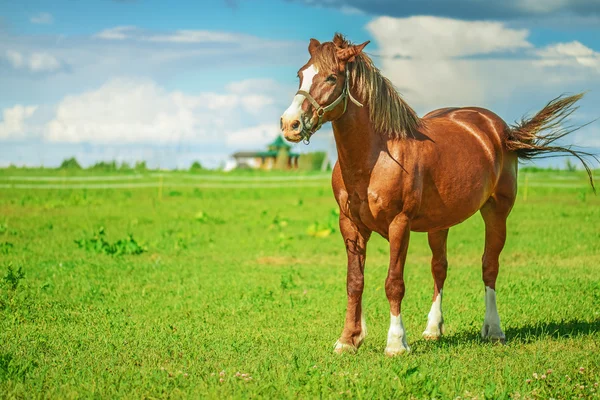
{"x": 254, "y": 135}
{"x": 34, "y": 62}
{"x": 477, "y": 63}
{"x": 137, "y": 111}
{"x": 116, "y": 33}
{"x": 571, "y": 54}
{"x": 15, "y": 121}
{"x": 435, "y": 38}
{"x": 42, "y": 18}
{"x": 469, "y": 9}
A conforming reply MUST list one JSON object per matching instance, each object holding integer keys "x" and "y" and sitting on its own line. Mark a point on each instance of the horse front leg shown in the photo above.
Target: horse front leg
{"x": 355, "y": 328}
{"x": 399, "y": 235}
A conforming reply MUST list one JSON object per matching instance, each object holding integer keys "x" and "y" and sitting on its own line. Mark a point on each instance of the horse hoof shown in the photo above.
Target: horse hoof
{"x": 433, "y": 332}
{"x": 344, "y": 348}
{"x": 432, "y": 335}
{"x": 493, "y": 334}
{"x": 393, "y": 351}
{"x": 496, "y": 340}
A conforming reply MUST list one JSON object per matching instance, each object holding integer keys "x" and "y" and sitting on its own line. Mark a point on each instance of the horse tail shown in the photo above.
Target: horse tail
{"x": 534, "y": 137}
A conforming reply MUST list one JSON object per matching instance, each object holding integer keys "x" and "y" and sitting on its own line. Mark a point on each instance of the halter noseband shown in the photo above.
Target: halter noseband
{"x": 321, "y": 110}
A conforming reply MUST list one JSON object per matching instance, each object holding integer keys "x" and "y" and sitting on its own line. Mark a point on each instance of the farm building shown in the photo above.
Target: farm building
{"x": 277, "y": 156}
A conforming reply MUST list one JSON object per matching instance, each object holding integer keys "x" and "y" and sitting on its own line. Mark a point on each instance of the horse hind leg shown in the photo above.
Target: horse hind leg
{"x": 439, "y": 266}
{"x": 494, "y": 213}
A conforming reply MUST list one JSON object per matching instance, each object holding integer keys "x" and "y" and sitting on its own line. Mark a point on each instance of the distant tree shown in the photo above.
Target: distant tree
{"x": 104, "y": 166}
{"x": 141, "y": 166}
{"x": 196, "y": 166}
{"x": 70, "y": 163}
{"x": 571, "y": 166}
{"x": 125, "y": 166}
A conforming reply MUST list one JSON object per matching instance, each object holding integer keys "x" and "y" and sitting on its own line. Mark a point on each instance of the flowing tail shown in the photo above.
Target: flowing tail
{"x": 534, "y": 137}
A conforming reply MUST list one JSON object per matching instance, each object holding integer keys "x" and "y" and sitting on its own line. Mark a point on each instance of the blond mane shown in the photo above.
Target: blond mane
{"x": 389, "y": 113}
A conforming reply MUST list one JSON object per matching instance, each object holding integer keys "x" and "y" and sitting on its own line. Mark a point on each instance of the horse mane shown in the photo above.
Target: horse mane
{"x": 389, "y": 113}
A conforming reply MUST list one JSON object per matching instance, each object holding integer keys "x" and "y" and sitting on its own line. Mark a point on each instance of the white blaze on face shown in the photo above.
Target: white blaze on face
{"x": 491, "y": 323}
{"x": 396, "y": 341}
{"x": 435, "y": 319}
{"x": 294, "y": 111}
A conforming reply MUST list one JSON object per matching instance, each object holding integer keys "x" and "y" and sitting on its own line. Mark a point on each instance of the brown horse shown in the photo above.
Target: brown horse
{"x": 398, "y": 173}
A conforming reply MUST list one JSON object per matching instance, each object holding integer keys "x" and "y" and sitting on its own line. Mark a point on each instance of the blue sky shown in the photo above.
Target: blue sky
{"x": 171, "y": 82}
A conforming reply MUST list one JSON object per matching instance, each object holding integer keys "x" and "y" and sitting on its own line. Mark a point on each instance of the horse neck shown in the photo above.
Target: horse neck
{"x": 358, "y": 144}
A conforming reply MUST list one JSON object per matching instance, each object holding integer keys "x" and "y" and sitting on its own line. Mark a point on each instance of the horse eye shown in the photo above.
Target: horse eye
{"x": 331, "y": 78}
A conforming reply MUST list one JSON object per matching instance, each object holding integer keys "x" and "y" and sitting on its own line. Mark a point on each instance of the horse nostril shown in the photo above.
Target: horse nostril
{"x": 295, "y": 124}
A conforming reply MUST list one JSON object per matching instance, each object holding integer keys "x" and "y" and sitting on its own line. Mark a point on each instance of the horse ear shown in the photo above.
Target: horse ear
{"x": 347, "y": 55}
{"x": 312, "y": 46}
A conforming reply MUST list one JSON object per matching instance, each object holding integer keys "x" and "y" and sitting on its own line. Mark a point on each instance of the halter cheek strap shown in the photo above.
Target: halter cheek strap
{"x": 321, "y": 110}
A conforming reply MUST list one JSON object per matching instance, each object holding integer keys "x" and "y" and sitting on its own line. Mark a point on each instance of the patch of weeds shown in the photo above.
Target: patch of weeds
{"x": 13, "y": 278}
{"x": 278, "y": 222}
{"x": 181, "y": 244}
{"x": 6, "y": 247}
{"x": 10, "y": 369}
{"x": 326, "y": 227}
{"x": 175, "y": 193}
{"x": 98, "y": 244}
{"x": 3, "y": 228}
{"x": 203, "y": 217}
{"x": 287, "y": 282}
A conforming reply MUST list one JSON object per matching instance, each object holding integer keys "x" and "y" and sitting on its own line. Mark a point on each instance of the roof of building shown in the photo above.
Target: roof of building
{"x": 279, "y": 143}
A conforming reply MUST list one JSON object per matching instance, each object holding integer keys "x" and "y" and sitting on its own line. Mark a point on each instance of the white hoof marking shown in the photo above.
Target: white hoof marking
{"x": 491, "y": 329}
{"x": 435, "y": 320}
{"x": 396, "y": 342}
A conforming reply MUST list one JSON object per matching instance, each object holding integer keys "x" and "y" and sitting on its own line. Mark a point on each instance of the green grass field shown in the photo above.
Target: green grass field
{"x": 240, "y": 293}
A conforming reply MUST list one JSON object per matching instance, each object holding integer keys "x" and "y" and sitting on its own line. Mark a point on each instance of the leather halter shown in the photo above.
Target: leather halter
{"x": 321, "y": 110}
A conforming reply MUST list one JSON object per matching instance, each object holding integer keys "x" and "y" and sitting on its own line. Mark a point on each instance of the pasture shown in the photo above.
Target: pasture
{"x": 233, "y": 285}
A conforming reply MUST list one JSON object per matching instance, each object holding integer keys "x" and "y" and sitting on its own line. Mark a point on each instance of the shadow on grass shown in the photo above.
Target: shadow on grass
{"x": 527, "y": 333}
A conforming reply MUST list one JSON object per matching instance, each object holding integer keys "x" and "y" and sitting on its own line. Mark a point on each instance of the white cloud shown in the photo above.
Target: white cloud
{"x": 35, "y": 61}
{"x": 42, "y": 18}
{"x": 198, "y": 36}
{"x": 434, "y": 38}
{"x": 349, "y": 10}
{"x": 14, "y": 124}
{"x": 116, "y": 33}
{"x": 140, "y": 111}
{"x": 254, "y": 135}
{"x": 452, "y": 63}
{"x": 15, "y": 58}
{"x": 178, "y": 36}
{"x": 569, "y": 54}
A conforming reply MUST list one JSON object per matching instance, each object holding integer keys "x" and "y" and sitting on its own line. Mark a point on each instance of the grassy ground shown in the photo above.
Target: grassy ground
{"x": 235, "y": 296}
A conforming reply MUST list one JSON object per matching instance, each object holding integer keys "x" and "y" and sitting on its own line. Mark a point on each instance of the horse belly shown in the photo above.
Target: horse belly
{"x": 444, "y": 206}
